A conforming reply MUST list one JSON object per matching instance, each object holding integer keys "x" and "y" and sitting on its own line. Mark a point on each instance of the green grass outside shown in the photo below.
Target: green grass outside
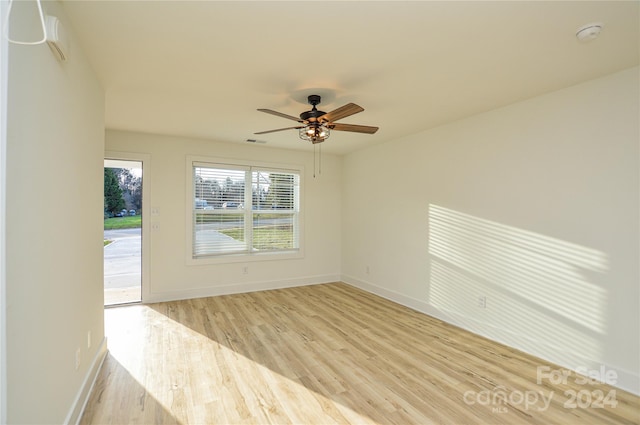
{"x": 217, "y": 218}
{"x": 132, "y": 222}
{"x": 265, "y": 238}
{"x": 107, "y": 242}
{"x": 202, "y": 217}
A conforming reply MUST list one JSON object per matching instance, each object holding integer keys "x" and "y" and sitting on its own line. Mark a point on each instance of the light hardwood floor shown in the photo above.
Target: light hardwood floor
{"x": 322, "y": 354}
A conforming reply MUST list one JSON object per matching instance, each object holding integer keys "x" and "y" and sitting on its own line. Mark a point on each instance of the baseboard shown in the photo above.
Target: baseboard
{"x": 626, "y": 380}
{"x": 238, "y": 288}
{"x": 75, "y": 413}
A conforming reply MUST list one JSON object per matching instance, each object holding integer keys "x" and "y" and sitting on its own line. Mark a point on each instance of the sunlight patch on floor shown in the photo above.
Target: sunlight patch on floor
{"x": 197, "y": 397}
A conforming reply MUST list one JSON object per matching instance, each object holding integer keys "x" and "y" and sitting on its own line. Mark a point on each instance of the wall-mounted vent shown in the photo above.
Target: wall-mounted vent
{"x": 57, "y": 38}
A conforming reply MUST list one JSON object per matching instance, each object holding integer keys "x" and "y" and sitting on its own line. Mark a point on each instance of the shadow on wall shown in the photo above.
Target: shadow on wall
{"x": 516, "y": 286}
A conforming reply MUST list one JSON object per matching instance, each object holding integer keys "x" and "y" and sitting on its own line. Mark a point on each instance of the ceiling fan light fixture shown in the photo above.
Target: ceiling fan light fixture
{"x": 317, "y": 125}
{"x": 314, "y": 133}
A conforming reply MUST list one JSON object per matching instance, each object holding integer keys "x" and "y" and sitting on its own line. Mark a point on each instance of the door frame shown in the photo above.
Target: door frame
{"x": 145, "y": 159}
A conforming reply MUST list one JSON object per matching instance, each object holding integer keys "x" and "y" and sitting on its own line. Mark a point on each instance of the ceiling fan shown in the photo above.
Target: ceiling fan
{"x": 317, "y": 125}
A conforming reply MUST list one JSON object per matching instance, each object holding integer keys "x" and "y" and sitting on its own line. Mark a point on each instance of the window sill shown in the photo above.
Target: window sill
{"x": 245, "y": 258}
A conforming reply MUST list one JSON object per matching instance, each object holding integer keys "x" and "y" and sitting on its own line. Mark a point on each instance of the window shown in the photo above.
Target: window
{"x": 244, "y": 209}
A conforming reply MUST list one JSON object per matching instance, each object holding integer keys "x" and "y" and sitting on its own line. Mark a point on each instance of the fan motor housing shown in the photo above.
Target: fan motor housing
{"x": 312, "y": 115}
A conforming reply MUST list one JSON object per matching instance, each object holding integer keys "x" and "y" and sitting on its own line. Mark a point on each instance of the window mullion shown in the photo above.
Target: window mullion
{"x": 248, "y": 209}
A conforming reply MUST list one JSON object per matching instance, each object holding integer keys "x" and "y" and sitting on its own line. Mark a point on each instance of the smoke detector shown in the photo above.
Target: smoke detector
{"x": 589, "y": 32}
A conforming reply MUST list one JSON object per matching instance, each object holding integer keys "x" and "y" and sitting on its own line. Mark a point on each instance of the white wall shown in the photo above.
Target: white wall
{"x": 170, "y": 275}
{"x": 55, "y": 146}
{"x": 4, "y": 47}
{"x": 534, "y": 206}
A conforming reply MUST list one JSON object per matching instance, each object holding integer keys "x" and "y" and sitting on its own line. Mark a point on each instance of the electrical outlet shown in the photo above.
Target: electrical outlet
{"x": 88, "y": 339}
{"x": 482, "y": 301}
{"x": 366, "y": 269}
{"x": 77, "y": 358}
{"x": 245, "y": 269}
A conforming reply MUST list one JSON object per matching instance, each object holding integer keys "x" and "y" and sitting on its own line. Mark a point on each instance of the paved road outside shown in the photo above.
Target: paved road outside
{"x": 208, "y": 239}
{"x": 239, "y": 223}
{"x": 122, "y": 266}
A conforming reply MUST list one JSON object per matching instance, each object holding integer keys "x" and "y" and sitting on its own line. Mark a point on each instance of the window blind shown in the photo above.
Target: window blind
{"x": 244, "y": 210}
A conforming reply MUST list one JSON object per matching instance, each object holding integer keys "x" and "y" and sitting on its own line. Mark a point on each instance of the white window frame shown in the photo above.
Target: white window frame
{"x": 192, "y": 161}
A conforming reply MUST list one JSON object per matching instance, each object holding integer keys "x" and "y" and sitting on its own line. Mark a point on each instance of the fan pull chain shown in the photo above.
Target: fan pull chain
{"x": 318, "y": 162}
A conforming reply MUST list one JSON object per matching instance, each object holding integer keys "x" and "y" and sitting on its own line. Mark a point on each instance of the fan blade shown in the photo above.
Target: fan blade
{"x": 352, "y": 127}
{"x": 280, "y": 114}
{"x": 280, "y": 129}
{"x": 341, "y": 112}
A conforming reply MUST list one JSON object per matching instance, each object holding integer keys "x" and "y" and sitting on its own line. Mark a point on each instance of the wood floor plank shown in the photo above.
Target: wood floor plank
{"x": 322, "y": 354}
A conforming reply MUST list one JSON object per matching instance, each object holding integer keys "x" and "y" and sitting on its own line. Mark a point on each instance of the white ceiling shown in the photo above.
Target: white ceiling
{"x": 202, "y": 68}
